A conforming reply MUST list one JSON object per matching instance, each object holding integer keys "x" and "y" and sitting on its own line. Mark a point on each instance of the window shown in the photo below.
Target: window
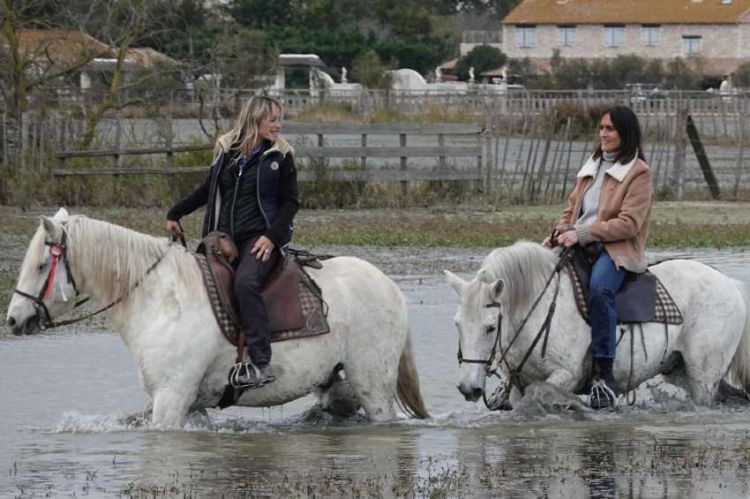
{"x": 567, "y": 35}
{"x": 691, "y": 45}
{"x": 651, "y": 35}
{"x": 525, "y": 36}
{"x": 614, "y": 36}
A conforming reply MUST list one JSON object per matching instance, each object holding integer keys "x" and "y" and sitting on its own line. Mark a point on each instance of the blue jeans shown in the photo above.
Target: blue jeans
{"x": 606, "y": 280}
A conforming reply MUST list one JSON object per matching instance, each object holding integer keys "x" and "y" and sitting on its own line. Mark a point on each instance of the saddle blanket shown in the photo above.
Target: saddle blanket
{"x": 314, "y": 310}
{"x": 642, "y": 298}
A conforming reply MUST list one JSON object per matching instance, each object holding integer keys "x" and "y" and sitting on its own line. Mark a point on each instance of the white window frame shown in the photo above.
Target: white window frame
{"x": 567, "y": 35}
{"x": 614, "y": 35}
{"x": 525, "y": 35}
{"x": 651, "y": 35}
{"x": 691, "y": 44}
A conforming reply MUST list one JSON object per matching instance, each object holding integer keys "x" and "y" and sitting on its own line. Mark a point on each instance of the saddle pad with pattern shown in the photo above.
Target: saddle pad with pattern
{"x": 312, "y": 321}
{"x": 664, "y": 309}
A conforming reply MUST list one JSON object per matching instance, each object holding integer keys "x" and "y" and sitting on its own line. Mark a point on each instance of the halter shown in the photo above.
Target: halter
{"x": 59, "y": 251}
{"x": 515, "y": 373}
{"x": 487, "y": 362}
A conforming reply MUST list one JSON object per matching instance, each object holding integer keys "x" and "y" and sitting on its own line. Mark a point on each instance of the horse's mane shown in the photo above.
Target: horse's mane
{"x": 524, "y": 267}
{"x": 116, "y": 257}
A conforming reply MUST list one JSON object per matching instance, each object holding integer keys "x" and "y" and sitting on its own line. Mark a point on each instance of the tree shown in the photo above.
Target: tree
{"x": 370, "y": 71}
{"x": 572, "y": 74}
{"x": 679, "y": 75}
{"x": 241, "y": 56}
{"x": 741, "y": 76}
{"x": 481, "y": 58}
{"x": 28, "y": 64}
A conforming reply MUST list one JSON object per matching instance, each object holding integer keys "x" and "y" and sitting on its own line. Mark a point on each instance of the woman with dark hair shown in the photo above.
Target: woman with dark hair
{"x": 609, "y": 211}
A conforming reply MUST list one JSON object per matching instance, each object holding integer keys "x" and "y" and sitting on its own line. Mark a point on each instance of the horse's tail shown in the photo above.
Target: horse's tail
{"x": 739, "y": 369}
{"x": 407, "y": 386}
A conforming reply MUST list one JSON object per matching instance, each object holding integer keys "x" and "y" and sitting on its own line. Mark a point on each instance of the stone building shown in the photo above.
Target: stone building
{"x": 714, "y": 35}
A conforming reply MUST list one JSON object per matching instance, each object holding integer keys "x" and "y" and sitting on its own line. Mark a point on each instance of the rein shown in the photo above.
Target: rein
{"x": 59, "y": 251}
{"x": 515, "y": 373}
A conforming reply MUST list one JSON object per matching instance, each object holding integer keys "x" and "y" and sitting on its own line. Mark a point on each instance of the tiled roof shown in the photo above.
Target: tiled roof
{"x": 61, "y": 47}
{"x": 69, "y": 48}
{"x": 148, "y": 57}
{"x": 629, "y": 12}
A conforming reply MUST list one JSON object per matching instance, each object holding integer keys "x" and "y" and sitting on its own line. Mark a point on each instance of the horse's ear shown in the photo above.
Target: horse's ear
{"x": 52, "y": 227}
{"x": 497, "y": 287}
{"x": 456, "y": 282}
{"x": 62, "y": 216}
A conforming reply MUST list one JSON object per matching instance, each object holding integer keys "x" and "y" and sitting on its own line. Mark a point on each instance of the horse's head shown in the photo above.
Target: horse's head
{"x": 45, "y": 288}
{"x": 478, "y": 320}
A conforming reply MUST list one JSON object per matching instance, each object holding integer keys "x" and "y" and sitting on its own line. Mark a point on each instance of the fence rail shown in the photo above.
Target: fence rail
{"x": 323, "y": 153}
{"x": 528, "y": 151}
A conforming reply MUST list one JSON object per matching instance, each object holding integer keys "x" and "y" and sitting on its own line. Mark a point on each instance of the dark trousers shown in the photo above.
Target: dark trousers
{"x": 249, "y": 278}
{"x": 606, "y": 280}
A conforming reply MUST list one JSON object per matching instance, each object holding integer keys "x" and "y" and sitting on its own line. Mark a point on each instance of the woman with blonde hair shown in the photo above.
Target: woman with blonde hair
{"x": 251, "y": 194}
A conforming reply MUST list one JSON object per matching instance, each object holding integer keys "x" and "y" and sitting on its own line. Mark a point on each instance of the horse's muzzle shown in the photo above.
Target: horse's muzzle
{"x": 471, "y": 393}
{"x": 29, "y": 326}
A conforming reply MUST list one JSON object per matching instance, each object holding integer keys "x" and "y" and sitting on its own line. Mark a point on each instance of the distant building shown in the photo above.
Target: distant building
{"x": 714, "y": 34}
{"x": 51, "y": 50}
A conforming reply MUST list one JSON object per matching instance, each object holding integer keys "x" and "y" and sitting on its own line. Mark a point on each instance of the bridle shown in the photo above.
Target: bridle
{"x": 515, "y": 373}
{"x": 59, "y": 252}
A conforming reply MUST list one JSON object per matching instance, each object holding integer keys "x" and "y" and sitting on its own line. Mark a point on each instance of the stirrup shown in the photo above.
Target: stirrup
{"x": 602, "y": 396}
{"x": 244, "y": 375}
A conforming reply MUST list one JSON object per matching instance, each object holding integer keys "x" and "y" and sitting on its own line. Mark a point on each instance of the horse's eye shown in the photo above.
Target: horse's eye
{"x": 491, "y": 329}
{"x": 41, "y": 266}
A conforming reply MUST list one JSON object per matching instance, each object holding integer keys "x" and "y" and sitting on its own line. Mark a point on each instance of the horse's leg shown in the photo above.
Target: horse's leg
{"x": 372, "y": 378}
{"x": 376, "y": 393}
{"x": 170, "y": 407}
{"x": 562, "y": 378}
{"x": 707, "y": 358}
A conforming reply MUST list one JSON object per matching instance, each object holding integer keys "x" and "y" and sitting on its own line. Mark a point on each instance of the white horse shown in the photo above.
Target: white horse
{"x": 713, "y": 341}
{"x": 164, "y": 317}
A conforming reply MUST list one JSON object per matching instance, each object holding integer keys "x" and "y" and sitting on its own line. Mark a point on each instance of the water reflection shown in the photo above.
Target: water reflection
{"x": 63, "y": 434}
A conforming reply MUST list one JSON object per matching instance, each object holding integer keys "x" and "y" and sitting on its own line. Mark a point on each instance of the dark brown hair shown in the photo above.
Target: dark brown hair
{"x": 626, "y": 123}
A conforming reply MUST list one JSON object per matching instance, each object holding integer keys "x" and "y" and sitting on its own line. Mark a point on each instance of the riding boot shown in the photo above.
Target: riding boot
{"x": 603, "y": 383}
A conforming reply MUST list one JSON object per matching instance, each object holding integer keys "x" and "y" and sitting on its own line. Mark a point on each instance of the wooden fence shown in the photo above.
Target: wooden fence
{"x": 319, "y": 158}
{"x": 528, "y": 153}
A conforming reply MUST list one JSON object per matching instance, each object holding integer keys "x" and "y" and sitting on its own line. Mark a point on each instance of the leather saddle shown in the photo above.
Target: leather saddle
{"x": 281, "y": 292}
{"x": 642, "y": 297}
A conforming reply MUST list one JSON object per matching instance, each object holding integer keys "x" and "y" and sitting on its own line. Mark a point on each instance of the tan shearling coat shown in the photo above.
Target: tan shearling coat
{"x": 623, "y": 215}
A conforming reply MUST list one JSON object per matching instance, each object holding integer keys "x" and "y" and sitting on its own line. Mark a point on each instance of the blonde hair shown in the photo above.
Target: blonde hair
{"x": 245, "y": 132}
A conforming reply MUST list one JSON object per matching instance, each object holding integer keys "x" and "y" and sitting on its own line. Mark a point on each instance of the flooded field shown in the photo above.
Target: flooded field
{"x": 65, "y": 398}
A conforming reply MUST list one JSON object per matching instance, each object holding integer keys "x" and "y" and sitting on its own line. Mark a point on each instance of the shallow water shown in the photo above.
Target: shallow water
{"x": 65, "y": 396}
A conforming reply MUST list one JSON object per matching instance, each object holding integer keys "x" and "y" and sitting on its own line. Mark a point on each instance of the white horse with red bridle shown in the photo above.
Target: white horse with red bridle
{"x": 155, "y": 299}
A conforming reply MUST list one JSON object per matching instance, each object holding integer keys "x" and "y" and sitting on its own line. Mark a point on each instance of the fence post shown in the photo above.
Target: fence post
{"x": 363, "y": 158}
{"x": 680, "y": 144}
{"x": 700, "y": 153}
{"x": 402, "y": 161}
{"x": 487, "y": 135}
{"x": 168, "y": 143}
{"x": 741, "y": 142}
{"x": 118, "y": 141}
{"x": 441, "y": 159}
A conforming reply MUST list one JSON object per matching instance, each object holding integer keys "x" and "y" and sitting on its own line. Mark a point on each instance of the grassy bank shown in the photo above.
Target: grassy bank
{"x": 674, "y": 225}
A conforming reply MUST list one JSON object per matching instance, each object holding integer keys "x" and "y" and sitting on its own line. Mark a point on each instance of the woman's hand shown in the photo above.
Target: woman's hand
{"x": 262, "y": 248}
{"x": 173, "y": 226}
{"x": 568, "y": 238}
